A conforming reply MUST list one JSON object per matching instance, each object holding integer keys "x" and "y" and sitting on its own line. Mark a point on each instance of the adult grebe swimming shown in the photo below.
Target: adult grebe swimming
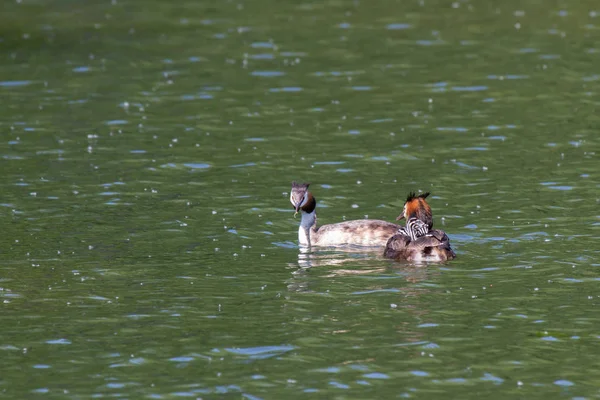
{"x": 361, "y": 232}
{"x": 417, "y": 240}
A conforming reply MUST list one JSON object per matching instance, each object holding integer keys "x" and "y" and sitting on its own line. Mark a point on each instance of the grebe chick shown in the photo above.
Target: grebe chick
{"x": 417, "y": 241}
{"x": 362, "y": 232}
{"x": 416, "y": 207}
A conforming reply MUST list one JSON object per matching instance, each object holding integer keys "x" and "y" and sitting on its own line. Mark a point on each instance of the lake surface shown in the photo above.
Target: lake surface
{"x": 149, "y": 248}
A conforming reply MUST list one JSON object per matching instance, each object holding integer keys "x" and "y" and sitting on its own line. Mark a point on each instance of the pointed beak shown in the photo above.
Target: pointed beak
{"x": 401, "y": 216}
{"x": 297, "y": 209}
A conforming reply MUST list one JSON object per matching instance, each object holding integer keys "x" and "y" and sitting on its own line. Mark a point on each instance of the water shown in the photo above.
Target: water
{"x": 149, "y": 247}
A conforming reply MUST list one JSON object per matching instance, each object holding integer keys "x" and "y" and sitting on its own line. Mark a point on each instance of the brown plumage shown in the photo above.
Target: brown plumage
{"x": 362, "y": 232}
{"x": 416, "y": 207}
{"x": 299, "y": 190}
{"x": 433, "y": 245}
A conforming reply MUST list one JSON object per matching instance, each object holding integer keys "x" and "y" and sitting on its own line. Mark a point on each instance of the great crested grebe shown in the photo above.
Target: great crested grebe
{"x": 418, "y": 241}
{"x": 361, "y": 232}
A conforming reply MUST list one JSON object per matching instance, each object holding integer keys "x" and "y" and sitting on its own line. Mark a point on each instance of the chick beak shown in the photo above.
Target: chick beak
{"x": 401, "y": 216}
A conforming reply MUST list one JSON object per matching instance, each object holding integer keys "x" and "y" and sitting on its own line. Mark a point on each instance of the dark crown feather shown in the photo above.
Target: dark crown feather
{"x": 413, "y": 195}
{"x": 300, "y": 185}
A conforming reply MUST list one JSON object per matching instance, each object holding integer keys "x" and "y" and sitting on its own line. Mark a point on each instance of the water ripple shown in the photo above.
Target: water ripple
{"x": 398, "y": 26}
{"x": 292, "y": 89}
{"x": 267, "y": 74}
{"x": 15, "y": 83}
{"x": 261, "y": 352}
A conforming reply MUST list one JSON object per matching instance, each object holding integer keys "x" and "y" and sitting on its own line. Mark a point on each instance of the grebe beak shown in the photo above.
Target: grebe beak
{"x": 297, "y": 210}
{"x": 401, "y": 216}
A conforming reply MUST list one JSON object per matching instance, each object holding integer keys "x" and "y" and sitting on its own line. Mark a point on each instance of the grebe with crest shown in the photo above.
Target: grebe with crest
{"x": 361, "y": 232}
{"x": 417, "y": 240}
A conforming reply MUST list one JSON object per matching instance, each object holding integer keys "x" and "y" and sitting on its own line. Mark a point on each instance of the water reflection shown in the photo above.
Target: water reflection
{"x": 308, "y": 257}
{"x": 349, "y": 261}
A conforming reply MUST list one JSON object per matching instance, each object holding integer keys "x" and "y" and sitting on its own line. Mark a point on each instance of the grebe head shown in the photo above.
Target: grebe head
{"x": 301, "y": 198}
{"x": 416, "y": 207}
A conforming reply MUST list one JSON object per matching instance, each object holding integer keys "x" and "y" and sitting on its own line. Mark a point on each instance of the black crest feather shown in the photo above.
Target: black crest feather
{"x": 413, "y": 195}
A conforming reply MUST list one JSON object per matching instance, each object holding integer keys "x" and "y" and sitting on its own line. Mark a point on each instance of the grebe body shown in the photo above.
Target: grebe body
{"x": 362, "y": 232}
{"x": 417, "y": 241}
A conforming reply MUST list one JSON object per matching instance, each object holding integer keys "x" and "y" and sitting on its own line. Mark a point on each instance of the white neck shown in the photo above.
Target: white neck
{"x": 308, "y": 221}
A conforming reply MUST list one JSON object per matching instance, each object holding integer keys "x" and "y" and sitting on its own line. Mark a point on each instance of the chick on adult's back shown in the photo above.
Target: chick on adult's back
{"x": 361, "y": 232}
{"x": 417, "y": 240}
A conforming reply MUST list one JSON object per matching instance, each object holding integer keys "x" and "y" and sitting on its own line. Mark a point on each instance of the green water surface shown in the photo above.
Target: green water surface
{"x": 148, "y": 247}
